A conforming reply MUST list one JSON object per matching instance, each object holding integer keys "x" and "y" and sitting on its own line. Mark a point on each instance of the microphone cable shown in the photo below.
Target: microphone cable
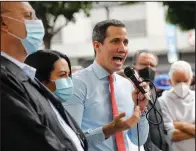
{"x": 138, "y": 137}
{"x": 153, "y": 106}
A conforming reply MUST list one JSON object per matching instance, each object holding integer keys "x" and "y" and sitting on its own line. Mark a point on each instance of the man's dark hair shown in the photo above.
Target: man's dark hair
{"x": 99, "y": 31}
{"x": 43, "y": 61}
{"x": 137, "y": 54}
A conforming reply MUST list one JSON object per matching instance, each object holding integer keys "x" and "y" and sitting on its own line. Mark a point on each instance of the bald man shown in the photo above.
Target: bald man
{"x": 33, "y": 119}
{"x": 178, "y": 108}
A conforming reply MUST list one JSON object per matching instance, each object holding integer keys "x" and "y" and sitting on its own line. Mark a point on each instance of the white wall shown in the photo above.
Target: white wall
{"x": 155, "y": 18}
{"x": 77, "y": 37}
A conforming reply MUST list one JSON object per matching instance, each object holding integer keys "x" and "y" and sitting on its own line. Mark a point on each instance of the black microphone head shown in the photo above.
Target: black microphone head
{"x": 129, "y": 72}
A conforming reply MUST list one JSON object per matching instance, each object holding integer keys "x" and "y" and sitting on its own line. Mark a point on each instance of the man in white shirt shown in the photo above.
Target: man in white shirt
{"x": 178, "y": 108}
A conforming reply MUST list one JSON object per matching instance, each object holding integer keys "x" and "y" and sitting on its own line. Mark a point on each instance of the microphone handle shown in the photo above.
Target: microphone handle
{"x": 136, "y": 82}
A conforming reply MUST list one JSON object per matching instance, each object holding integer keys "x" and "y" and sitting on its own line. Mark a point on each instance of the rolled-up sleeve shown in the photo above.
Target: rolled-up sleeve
{"x": 94, "y": 136}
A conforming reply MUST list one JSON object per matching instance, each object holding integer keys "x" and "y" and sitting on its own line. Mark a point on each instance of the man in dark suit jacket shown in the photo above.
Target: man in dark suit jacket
{"x": 33, "y": 119}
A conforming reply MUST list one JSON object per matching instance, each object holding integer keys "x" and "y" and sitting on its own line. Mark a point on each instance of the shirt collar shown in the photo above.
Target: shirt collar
{"x": 100, "y": 72}
{"x": 30, "y": 71}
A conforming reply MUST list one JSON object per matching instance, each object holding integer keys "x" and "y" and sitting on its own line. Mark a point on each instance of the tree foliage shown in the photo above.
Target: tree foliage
{"x": 49, "y": 13}
{"x": 181, "y": 14}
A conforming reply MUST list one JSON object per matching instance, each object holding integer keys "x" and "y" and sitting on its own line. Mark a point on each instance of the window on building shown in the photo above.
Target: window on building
{"x": 136, "y": 28}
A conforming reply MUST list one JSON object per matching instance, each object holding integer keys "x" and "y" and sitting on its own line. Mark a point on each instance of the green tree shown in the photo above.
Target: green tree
{"x": 49, "y": 13}
{"x": 181, "y": 14}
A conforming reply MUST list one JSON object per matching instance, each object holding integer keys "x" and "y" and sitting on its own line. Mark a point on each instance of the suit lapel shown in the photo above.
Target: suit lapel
{"x": 14, "y": 69}
{"x": 65, "y": 115}
{"x": 53, "y": 99}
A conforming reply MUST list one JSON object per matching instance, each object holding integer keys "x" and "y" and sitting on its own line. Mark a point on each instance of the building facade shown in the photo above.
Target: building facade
{"x": 146, "y": 25}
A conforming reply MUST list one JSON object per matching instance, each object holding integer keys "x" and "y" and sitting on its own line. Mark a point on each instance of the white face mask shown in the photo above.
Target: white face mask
{"x": 181, "y": 89}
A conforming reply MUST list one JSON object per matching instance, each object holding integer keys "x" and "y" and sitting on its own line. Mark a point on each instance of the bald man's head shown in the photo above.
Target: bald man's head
{"x": 13, "y": 28}
{"x": 14, "y": 6}
{"x": 14, "y": 12}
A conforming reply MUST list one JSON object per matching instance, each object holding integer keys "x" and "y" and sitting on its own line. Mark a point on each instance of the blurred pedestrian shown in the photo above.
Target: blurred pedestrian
{"x": 178, "y": 108}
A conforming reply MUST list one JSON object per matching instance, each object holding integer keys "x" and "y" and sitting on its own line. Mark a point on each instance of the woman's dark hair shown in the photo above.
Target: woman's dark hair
{"x": 43, "y": 61}
{"x": 64, "y": 57}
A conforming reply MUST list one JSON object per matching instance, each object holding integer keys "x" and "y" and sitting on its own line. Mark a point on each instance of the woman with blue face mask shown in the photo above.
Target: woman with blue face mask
{"x": 53, "y": 69}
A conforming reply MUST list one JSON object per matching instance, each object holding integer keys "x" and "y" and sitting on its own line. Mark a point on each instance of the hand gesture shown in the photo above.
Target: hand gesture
{"x": 121, "y": 125}
{"x": 118, "y": 124}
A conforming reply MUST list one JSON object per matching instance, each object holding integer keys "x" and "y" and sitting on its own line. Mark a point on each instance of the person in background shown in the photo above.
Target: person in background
{"x": 178, "y": 108}
{"x": 54, "y": 70}
{"x": 76, "y": 68}
{"x": 145, "y": 63}
{"x": 33, "y": 119}
{"x": 104, "y": 103}
{"x": 161, "y": 83}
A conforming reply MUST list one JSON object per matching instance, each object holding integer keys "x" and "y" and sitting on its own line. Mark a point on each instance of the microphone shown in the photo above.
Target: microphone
{"x": 130, "y": 73}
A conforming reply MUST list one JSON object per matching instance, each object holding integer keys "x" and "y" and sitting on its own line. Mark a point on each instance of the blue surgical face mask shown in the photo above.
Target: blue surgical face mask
{"x": 35, "y": 33}
{"x": 64, "y": 88}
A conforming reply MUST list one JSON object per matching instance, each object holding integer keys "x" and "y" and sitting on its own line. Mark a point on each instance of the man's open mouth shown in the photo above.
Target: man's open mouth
{"x": 118, "y": 58}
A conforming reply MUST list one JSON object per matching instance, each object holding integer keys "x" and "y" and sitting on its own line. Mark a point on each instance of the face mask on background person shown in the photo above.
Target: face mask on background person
{"x": 64, "y": 88}
{"x": 35, "y": 33}
{"x": 181, "y": 89}
{"x": 147, "y": 73}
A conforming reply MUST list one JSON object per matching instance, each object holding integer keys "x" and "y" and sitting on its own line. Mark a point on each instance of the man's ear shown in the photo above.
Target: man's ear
{"x": 96, "y": 46}
{"x": 3, "y": 25}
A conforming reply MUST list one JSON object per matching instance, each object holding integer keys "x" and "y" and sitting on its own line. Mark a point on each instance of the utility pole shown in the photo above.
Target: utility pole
{"x": 107, "y": 6}
{"x": 107, "y": 12}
